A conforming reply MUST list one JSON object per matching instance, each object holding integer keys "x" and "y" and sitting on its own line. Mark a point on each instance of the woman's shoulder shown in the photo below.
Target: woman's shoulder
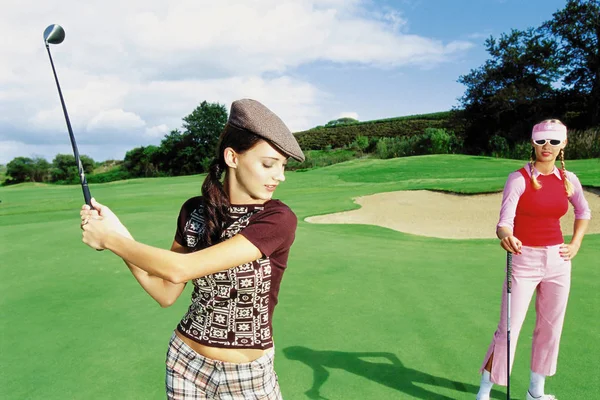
{"x": 519, "y": 174}
{"x": 280, "y": 208}
{"x": 571, "y": 175}
{"x": 192, "y": 203}
{"x": 279, "y": 205}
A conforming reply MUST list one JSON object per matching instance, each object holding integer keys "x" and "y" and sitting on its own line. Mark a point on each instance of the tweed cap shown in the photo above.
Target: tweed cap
{"x": 252, "y": 116}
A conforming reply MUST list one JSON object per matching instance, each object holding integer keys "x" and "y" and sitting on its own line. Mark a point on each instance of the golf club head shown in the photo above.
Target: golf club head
{"x": 54, "y": 34}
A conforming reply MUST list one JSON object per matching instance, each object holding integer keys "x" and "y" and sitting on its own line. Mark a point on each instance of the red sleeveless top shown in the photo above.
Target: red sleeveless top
{"x": 537, "y": 219}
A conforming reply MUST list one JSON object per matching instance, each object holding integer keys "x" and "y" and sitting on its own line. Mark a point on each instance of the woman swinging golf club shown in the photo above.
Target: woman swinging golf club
{"x": 234, "y": 242}
{"x": 534, "y": 199}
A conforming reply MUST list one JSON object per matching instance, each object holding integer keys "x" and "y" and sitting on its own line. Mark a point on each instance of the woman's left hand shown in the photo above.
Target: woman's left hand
{"x": 98, "y": 223}
{"x": 569, "y": 251}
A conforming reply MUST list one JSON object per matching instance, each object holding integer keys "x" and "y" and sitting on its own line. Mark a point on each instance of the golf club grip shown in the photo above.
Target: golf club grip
{"x": 86, "y": 191}
{"x": 508, "y": 271}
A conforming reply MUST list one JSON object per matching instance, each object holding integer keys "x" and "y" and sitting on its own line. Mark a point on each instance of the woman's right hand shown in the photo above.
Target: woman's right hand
{"x": 511, "y": 244}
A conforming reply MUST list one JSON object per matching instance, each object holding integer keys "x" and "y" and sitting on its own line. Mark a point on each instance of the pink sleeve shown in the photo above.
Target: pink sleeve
{"x": 514, "y": 188}
{"x": 580, "y": 204}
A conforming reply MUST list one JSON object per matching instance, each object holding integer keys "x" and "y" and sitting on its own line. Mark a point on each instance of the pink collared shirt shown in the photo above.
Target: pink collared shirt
{"x": 515, "y": 186}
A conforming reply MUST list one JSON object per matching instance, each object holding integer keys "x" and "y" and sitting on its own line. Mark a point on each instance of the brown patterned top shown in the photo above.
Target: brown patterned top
{"x": 234, "y": 308}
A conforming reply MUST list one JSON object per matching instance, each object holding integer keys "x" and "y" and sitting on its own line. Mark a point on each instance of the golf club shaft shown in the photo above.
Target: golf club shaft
{"x": 508, "y": 292}
{"x": 84, "y": 185}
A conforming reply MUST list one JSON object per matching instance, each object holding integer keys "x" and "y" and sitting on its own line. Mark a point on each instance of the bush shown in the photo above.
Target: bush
{"x": 521, "y": 151}
{"x": 499, "y": 147}
{"x": 392, "y": 147}
{"x": 116, "y": 174}
{"x": 382, "y": 148}
{"x": 439, "y": 139}
{"x": 433, "y": 141}
{"x": 321, "y": 158}
{"x": 583, "y": 144}
{"x": 362, "y": 142}
{"x": 457, "y": 144}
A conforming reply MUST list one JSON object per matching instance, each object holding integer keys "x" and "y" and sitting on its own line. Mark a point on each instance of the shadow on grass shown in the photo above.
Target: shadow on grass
{"x": 389, "y": 372}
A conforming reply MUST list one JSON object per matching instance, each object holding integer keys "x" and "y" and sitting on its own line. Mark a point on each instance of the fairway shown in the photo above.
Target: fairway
{"x": 364, "y": 312}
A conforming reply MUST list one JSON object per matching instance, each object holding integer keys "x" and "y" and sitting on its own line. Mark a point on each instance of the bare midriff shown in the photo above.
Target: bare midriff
{"x": 238, "y": 356}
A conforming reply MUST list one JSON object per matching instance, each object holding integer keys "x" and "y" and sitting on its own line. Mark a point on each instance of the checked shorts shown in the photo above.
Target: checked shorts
{"x": 193, "y": 376}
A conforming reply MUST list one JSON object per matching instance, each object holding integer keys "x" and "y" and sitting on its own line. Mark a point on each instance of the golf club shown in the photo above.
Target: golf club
{"x": 508, "y": 291}
{"x": 55, "y": 34}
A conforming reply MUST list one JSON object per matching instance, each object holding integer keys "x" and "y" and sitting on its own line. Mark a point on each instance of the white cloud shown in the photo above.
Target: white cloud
{"x": 115, "y": 119}
{"x": 157, "y": 131}
{"x": 130, "y": 70}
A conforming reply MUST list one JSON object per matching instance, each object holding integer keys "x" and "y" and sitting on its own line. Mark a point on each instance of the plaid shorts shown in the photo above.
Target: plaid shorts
{"x": 193, "y": 376}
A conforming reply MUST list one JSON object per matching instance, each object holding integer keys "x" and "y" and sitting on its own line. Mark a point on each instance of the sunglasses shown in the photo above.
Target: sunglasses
{"x": 553, "y": 142}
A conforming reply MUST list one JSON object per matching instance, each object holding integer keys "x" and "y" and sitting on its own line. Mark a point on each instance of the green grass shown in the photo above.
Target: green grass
{"x": 364, "y": 313}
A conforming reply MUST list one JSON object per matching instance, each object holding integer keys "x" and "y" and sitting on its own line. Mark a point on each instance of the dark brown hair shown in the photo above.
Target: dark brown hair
{"x": 216, "y": 202}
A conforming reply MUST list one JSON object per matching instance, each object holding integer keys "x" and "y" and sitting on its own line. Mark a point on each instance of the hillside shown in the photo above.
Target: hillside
{"x": 342, "y": 135}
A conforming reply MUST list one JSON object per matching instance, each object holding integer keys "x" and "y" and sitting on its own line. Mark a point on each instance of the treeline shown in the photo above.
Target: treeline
{"x": 63, "y": 169}
{"x": 552, "y": 71}
{"x": 179, "y": 153}
{"x": 582, "y": 145}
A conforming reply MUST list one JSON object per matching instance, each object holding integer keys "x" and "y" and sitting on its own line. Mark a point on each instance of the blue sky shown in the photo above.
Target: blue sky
{"x": 131, "y": 70}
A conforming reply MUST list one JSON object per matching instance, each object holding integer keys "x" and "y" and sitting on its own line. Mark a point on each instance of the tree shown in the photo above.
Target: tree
{"x": 19, "y": 169}
{"x": 172, "y": 154}
{"x": 64, "y": 168}
{"x": 40, "y": 170}
{"x": 189, "y": 152}
{"x": 142, "y": 161}
{"x": 25, "y": 169}
{"x": 577, "y": 32}
{"x": 342, "y": 121}
{"x": 512, "y": 88}
{"x": 202, "y": 129}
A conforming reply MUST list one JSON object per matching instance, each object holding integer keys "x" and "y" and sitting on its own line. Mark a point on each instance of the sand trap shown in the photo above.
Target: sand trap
{"x": 441, "y": 215}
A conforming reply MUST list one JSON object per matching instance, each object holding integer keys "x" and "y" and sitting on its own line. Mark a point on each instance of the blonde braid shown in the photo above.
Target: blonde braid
{"x": 568, "y": 185}
{"x": 534, "y": 182}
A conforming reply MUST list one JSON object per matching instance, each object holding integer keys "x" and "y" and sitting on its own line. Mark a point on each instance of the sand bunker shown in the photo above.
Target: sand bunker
{"x": 441, "y": 215}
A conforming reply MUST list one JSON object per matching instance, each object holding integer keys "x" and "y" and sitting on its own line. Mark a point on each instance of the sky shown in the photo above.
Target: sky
{"x": 130, "y": 70}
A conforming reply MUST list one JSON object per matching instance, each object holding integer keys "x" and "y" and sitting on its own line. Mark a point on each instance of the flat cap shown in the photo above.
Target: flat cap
{"x": 252, "y": 116}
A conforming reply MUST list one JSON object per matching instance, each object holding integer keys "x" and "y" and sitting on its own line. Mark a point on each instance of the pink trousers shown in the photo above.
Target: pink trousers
{"x": 544, "y": 271}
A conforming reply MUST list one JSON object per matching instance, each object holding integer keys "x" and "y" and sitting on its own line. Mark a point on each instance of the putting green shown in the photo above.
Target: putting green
{"x": 365, "y": 312}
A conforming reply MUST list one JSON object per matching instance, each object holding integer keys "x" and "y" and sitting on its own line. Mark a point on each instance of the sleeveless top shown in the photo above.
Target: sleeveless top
{"x": 537, "y": 218}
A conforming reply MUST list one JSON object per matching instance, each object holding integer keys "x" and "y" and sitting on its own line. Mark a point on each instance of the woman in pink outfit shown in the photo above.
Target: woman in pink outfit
{"x": 534, "y": 199}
